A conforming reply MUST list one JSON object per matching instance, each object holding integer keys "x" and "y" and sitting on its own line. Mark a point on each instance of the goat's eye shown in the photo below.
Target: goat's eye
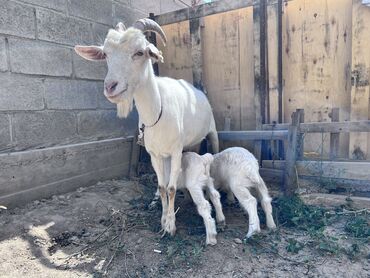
{"x": 139, "y": 53}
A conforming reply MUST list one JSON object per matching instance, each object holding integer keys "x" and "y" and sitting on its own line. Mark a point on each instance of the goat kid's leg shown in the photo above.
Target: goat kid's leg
{"x": 158, "y": 165}
{"x": 249, "y": 203}
{"x": 215, "y": 198}
{"x": 170, "y": 226}
{"x": 230, "y": 198}
{"x": 265, "y": 198}
{"x": 204, "y": 210}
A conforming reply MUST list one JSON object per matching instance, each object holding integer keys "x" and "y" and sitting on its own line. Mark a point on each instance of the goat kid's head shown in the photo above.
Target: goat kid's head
{"x": 128, "y": 55}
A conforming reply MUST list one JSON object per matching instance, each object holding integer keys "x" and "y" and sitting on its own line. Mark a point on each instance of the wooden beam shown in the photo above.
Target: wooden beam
{"x": 328, "y": 169}
{"x": 201, "y": 10}
{"x": 195, "y": 26}
{"x": 358, "y": 126}
{"x": 334, "y": 137}
{"x": 330, "y": 127}
{"x": 253, "y": 135}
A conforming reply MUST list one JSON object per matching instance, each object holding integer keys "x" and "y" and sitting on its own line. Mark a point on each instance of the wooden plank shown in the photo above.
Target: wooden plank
{"x": 334, "y": 137}
{"x": 359, "y": 126}
{"x": 253, "y": 135}
{"x": 317, "y": 62}
{"x": 195, "y": 26}
{"x": 341, "y": 127}
{"x": 246, "y": 72}
{"x": 201, "y": 11}
{"x": 257, "y": 76}
{"x": 360, "y": 92}
{"x": 176, "y": 53}
{"x": 329, "y": 169}
{"x": 290, "y": 175}
{"x": 335, "y": 201}
{"x": 135, "y": 156}
{"x": 55, "y": 166}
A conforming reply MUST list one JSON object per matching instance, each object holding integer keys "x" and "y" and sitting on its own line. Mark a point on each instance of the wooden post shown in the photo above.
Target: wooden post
{"x": 135, "y": 157}
{"x": 300, "y": 143}
{"x": 195, "y": 26}
{"x": 290, "y": 175}
{"x": 334, "y": 137}
{"x": 259, "y": 41}
{"x": 153, "y": 40}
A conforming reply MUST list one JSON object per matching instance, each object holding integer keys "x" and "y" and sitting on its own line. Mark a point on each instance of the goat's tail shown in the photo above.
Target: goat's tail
{"x": 213, "y": 137}
{"x": 261, "y": 189}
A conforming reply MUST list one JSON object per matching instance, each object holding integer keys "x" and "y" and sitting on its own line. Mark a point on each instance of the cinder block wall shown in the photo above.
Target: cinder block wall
{"x": 57, "y": 130}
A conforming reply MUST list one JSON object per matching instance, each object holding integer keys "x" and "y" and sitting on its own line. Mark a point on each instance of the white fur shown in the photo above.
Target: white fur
{"x": 236, "y": 171}
{"x": 186, "y": 113}
{"x": 195, "y": 177}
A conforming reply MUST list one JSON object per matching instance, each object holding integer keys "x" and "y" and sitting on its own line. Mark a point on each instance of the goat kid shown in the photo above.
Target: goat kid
{"x": 195, "y": 177}
{"x": 236, "y": 171}
{"x": 174, "y": 113}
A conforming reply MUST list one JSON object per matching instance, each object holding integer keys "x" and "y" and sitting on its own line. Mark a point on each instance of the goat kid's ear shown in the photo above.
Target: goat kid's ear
{"x": 91, "y": 53}
{"x": 153, "y": 53}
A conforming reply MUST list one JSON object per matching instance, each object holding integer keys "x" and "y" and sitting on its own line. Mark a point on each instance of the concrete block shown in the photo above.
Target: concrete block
{"x": 5, "y": 137}
{"x": 104, "y": 124}
{"x": 33, "y": 57}
{"x": 17, "y": 19}
{"x": 39, "y": 129}
{"x": 20, "y": 92}
{"x": 169, "y": 6}
{"x": 35, "y": 174}
{"x": 99, "y": 11}
{"x": 88, "y": 69}
{"x": 103, "y": 102}
{"x": 55, "y": 27}
{"x": 71, "y": 94}
{"x": 126, "y": 15}
{"x": 58, "y": 5}
{"x": 100, "y": 31}
{"x": 3, "y": 59}
{"x": 147, "y": 6}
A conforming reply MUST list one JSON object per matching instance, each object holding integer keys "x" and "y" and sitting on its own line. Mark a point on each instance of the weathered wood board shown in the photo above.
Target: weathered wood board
{"x": 317, "y": 63}
{"x": 177, "y": 52}
{"x": 359, "y": 145}
{"x": 324, "y": 41}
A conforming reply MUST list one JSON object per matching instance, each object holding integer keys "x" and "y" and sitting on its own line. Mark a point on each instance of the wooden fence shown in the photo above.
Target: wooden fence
{"x": 262, "y": 59}
{"x": 350, "y": 174}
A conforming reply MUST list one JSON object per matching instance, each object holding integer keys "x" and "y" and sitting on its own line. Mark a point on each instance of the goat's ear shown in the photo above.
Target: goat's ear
{"x": 153, "y": 53}
{"x": 92, "y": 53}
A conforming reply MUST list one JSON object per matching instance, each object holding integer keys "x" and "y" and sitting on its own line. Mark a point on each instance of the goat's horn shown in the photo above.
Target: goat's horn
{"x": 146, "y": 25}
{"x": 120, "y": 27}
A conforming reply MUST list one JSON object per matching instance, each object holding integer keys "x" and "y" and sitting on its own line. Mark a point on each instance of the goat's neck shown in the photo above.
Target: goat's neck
{"x": 147, "y": 98}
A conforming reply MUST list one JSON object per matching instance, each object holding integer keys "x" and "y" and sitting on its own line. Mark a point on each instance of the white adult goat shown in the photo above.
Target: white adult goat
{"x": 175, "y": 114}
{"x": 236, "y": 171}
{"x": 195, "y": 177}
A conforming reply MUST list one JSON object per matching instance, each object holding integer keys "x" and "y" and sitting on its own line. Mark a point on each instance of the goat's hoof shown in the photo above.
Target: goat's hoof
{"x": 253, "y": 229}
{"x": 211, "y": 240}
{"x": 170, "y": 226}
{"x": 271, "y": 225}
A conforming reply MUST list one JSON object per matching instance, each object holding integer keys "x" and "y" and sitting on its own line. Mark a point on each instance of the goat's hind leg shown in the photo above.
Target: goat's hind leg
{"x": 215, "y": 198}
{"x": 249, "y": 203}
{"x": 204, "y": 210}
{"x": 265, "y": 198}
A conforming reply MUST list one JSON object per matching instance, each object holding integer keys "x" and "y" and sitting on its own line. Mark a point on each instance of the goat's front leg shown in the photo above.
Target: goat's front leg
{"x": 158, "y": 165}
{"x": 170, "y": 226}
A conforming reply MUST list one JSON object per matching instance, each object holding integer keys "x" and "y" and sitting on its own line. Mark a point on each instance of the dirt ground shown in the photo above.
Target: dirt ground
{"x": 106, "y": 230}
